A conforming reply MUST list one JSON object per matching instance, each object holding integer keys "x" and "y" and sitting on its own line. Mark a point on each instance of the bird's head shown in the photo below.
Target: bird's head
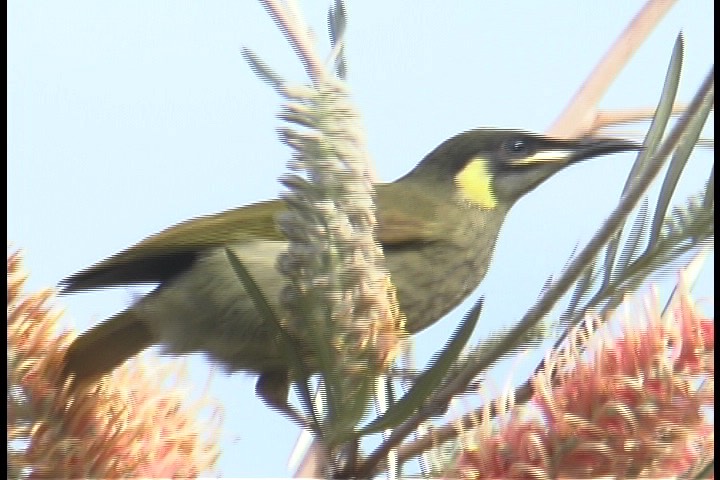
{"x": 491, "y": 167}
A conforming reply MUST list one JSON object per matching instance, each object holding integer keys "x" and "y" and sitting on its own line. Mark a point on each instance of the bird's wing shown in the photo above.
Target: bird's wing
{"x": 406, "y": 216}
{"x": 161, "y": 256}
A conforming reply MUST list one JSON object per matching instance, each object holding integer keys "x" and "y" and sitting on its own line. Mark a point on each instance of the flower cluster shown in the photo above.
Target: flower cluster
{"x": 123, "y": 427}
{"x": 339, "y": 299}
{"x": 633, "y": 405}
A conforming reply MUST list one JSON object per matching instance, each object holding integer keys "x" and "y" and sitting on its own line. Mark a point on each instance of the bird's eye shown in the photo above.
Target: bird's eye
{"x": 516, "y": 146}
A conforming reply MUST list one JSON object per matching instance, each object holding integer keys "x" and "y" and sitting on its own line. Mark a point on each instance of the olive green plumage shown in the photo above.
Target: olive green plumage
{"x": 437, "y": 225}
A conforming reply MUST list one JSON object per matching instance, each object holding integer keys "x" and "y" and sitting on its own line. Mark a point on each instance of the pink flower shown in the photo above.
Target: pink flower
{"x": 628, "y": 406}
{"x": 125, "y": 426}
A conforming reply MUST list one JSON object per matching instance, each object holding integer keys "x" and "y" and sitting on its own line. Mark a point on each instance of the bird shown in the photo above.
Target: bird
{"x": 437, "y": 225}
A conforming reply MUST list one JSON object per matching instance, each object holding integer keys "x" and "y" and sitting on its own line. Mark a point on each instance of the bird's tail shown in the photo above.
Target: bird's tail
{"x": 105, "y": 346}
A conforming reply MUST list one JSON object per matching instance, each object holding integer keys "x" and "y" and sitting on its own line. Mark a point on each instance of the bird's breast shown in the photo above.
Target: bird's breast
{"x": 434, "y": 278}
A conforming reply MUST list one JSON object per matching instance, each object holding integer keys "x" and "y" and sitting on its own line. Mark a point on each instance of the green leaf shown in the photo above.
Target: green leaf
{"x": 337, "y": 23}
{"x": 428, "y": 381}
{"x": 634, "y": 237}
{"x": 290, "y": 352}
{"x": 651, "y": 142}
{"x": 710, "y": 190}
{"x": 677, "y": 164}
{"x": 263, "y": 72}
{"x": 583, "y": 286}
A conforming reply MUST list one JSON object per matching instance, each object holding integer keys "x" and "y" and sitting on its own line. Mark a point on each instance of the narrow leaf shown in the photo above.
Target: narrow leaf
{"x": 651, "y": 142}
{"x": 337, "y": 23}
{"x": 291, "y": 353}
{"x": 428, "y": 381}
{"x": 677, "y": 164}
{"x": 710, "y": 190}
{"x": 634, "y": 237}
{"x": 263, "y": 72}
{"x": 582, "y": 287}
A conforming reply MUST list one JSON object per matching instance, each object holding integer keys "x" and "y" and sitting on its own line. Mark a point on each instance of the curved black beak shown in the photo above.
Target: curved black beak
{"x": 590, "y": 147}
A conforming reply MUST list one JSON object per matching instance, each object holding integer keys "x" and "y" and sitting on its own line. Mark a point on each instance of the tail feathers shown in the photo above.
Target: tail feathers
{"x": 105, "y": 346}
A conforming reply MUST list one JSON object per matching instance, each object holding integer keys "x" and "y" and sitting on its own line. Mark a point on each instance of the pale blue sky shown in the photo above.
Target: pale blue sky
{"x": 126, "y": 117}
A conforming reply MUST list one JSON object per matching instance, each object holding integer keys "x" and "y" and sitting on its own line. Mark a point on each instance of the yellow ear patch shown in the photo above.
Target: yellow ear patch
{"x": 475, "y": 183}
